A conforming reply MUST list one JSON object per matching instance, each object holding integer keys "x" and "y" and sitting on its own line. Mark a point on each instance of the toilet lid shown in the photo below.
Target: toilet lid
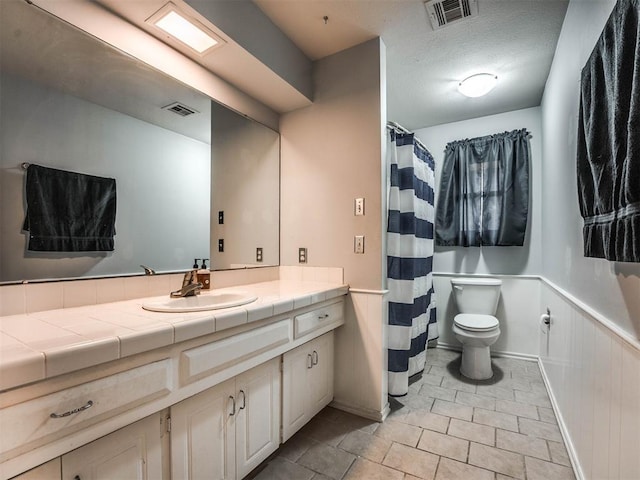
{"x": 475, "y": 322}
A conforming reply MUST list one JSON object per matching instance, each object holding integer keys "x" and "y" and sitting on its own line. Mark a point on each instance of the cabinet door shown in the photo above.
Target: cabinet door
{"x": 133, "y": 452}
{"x": 203, "y": 435}
{"x": 320, "y": 376}
{"x": 307, "y": 383}
{"x": 295, "y": 410}
{"x": 258, "y": 415}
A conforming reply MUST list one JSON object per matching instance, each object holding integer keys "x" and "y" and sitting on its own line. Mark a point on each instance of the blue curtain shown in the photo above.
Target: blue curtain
{"x": 484, "y": 191}
{"x": 412, "y": 313}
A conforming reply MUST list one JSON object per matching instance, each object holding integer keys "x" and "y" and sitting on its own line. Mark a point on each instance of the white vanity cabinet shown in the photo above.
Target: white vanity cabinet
{"x": 307, "y": 383}
{"x": 134, "y": 453}
{"x": 228, "y": 430}
{"x": 213, "y": 406}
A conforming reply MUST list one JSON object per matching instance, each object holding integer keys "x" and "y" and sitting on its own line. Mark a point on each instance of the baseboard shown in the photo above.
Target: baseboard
{"x": 520, "y": 356}
{"x": 363, "y": 412}
{"x": 448, "y": 346}
{"x": 573, "y": 457}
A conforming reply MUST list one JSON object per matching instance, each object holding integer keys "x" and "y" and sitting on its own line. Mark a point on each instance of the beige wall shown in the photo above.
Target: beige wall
{"x": 331, "y": 154}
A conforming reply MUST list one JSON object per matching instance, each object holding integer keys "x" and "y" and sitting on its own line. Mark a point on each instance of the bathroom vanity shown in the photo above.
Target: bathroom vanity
{"x": 216, "y": 400}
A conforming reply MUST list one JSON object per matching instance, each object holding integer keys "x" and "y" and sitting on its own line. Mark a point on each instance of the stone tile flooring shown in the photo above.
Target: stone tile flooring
{"x": 447, "y": 428}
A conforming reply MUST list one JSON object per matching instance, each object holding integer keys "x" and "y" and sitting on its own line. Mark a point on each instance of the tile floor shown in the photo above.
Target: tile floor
{"x": 446, "y": 428}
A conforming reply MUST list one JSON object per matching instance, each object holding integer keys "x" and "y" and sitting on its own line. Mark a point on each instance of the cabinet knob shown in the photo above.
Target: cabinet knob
{"x": 322, "y": 317}
{"x": 77, "y": 477}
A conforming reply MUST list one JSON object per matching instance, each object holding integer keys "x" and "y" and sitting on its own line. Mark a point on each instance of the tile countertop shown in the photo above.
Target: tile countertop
{"x": 44, "y": 344}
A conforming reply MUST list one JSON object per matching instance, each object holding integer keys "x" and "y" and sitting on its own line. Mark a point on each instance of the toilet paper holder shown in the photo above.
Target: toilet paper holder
{"x": 545, "y": 319}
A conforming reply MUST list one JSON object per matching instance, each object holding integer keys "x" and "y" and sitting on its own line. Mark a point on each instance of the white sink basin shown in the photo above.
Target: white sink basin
{"x": 201, "y": 303}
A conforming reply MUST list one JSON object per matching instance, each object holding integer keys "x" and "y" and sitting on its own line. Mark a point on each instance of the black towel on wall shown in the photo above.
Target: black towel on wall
{"x": 608, "y": 156}
{"x": 69, "y": 212}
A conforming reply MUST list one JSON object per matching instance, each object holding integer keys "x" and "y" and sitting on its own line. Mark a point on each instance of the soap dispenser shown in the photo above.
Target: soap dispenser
{"x": 204, "y": 274}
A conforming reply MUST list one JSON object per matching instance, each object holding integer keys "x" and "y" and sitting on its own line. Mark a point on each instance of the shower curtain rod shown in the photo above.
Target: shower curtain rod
{"x": 399, "y": 128}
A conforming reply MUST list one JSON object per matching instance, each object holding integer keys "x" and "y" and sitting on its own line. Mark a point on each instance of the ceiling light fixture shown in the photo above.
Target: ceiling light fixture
{"x": 185, "y": 29}
{"x": 477, "y": 85}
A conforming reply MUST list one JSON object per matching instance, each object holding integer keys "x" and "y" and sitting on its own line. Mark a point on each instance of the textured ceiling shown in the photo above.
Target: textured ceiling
{"x": 515, "y": 39}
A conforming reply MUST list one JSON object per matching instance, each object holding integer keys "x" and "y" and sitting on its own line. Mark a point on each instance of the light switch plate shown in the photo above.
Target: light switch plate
{"x": 358, "y": 244}
{"x": 359, "y": 206}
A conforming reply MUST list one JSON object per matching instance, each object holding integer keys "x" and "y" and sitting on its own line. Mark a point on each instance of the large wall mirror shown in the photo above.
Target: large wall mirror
{"x": 71, "y": 102}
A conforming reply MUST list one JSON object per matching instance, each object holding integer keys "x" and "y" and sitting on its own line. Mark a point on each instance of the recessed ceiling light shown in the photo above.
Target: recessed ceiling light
{"x": 477, "y": 85}
{"x": 186, "y": 30}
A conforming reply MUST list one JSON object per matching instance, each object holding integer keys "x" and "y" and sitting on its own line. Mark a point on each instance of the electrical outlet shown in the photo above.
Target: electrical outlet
{"x": 221, "y": 245}
{"x": 259, "y": 254}
{"x": 302, "y": 255}
{"x": 358, "y": 244}
{"x": 220, "y": 217}
{"x": 359, "y": 206}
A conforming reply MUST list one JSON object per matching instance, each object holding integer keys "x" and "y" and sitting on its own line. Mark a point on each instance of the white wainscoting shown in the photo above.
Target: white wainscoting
{"x": 518, "y": 311}
{"x": 593, "y": 374}
{"x": 361, "y": 356}
{"x": 592, "y": 369}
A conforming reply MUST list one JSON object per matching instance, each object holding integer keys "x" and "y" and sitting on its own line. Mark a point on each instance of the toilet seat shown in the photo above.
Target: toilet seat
{"x": 474, "y": 322}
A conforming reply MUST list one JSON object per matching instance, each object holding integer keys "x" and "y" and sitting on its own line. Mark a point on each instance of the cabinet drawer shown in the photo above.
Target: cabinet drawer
{"x": 310, "y": 321}
{"x": 213, "y": 357}
{"x": 52, "y": 416}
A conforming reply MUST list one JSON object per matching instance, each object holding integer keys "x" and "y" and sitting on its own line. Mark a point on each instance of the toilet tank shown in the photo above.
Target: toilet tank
{"x": 476, "y": 295}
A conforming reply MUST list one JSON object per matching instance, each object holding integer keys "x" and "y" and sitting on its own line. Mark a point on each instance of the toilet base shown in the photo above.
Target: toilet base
{"x": 476, "y": 363}
{"x": 476, "y": 356}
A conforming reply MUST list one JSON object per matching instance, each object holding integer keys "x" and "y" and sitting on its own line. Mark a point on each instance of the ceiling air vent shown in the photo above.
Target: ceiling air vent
{"x": 443, "y": 12}
{"x": 180, "y": 109}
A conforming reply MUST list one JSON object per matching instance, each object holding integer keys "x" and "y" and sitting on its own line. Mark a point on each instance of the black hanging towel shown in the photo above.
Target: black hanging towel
{"x": 68, "y": 211}
{"x": 608, "y": 154}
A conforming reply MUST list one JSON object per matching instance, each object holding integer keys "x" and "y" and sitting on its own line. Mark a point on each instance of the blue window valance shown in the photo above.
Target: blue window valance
{"x": 484, "y": 191}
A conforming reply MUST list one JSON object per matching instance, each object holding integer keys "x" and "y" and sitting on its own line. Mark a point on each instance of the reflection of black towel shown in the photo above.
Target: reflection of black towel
{"x": 608, "y": 160}
{"x": 69, "y": 212}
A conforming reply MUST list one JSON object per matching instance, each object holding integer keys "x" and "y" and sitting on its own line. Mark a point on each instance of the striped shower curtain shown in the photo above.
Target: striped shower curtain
{"x": 412, "y": 314}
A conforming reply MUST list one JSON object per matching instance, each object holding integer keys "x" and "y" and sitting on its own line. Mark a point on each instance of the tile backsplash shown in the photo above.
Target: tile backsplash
{"x": 37, "y": 297}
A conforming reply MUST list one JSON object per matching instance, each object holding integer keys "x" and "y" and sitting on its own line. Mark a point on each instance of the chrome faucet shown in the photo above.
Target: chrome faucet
{"x": 190, "y": 285}
{"x": 148, "y": 270}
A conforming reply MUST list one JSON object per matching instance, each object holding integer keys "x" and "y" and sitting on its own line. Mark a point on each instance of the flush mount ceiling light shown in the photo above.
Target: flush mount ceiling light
{"x": 185, "y": 29}
{"x": 477, "y": 85}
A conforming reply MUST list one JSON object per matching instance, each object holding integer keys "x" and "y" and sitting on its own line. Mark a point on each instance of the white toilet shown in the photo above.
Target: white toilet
{"x": 475, "y": 326}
